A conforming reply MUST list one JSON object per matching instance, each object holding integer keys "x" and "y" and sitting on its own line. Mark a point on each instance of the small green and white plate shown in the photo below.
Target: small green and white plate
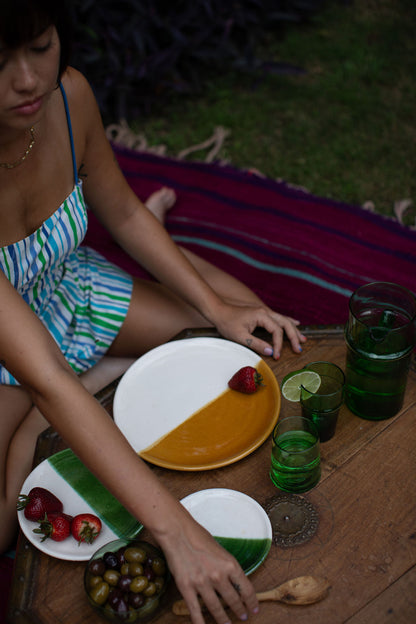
{"x": 64, "y": 475}
{"x": 236, "y": 521}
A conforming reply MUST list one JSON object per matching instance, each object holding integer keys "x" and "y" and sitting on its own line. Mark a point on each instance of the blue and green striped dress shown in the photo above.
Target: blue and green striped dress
{"x": 78, "y": 295}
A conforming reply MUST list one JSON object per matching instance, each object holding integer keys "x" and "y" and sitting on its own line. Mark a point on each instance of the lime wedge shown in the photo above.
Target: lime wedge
{"x": 293, "y": 381}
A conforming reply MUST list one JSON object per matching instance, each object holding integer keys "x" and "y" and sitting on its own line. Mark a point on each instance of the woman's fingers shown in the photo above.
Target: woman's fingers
{"x": 208, "y": 576}
{"x": 195, "y": 608}
{"x": 214, "y": 605}
{"x": 290, "y": 327}
{"x": 215, "y": 584}
{"x": 240, "y": 600}
{"x": 241, "y": 597}
{"x": 237, "y": 595}
{"x": 245, "y": 321}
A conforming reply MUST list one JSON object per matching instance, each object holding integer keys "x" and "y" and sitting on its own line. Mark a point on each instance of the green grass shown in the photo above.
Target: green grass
{"x": 344, "y": 129}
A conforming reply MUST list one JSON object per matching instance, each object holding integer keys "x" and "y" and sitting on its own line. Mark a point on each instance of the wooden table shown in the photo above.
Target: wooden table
{"x": 365, "y": 544}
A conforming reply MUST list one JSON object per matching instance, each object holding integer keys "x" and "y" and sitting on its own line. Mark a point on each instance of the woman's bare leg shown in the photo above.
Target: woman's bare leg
{"x": 104, "y": 372}
{"x": 225, "y": 285}
{"x": 16, "y": 423}
{"x": 155, "y": 316}
{"x": 160, "y": 202}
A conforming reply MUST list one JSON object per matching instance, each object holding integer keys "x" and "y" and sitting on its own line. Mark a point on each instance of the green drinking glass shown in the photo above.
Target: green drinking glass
{"x": 322, "y": 406}
{"x": 380, "y": 336}
{"x": 296, "y": 461}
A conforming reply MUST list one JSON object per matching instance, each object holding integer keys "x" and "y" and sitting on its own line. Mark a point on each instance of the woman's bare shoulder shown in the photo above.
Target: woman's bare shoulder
{"x": 75, "y": 84}
{"x": 83, "y": 108}
{"x": 80, "y": 95}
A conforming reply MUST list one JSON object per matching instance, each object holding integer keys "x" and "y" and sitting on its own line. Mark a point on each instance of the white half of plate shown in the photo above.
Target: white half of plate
{"x": 237, "y": 521}
{"x": 170, "y": 383}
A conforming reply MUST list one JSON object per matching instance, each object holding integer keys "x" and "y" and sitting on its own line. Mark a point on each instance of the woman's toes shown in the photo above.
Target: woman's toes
{"x": 160, "y": 202}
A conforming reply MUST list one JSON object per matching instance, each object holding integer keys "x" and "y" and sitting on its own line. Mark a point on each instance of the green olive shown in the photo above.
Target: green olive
{"x": 112, "y": 577}
{"x": 150, "y": 589}
{"x": 139, "y": 584}
{"x": 99, "y": 593}
{"x": 94, "y": 580}
{"x": 135, "y": 569}
{"x": 125, "y": 569}
{"x": 159, "y": 566}
{"x": 134, "y": 553}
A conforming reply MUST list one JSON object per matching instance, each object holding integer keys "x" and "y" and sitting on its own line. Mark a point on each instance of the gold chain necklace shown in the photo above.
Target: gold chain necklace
{"x": 19, "y": 161}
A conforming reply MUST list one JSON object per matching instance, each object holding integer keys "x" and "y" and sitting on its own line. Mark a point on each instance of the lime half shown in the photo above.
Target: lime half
{"x": 293, "y": 381}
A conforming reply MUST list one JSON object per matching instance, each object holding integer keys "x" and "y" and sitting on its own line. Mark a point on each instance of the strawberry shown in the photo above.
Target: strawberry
{"x": 85, "y": 527}
{"x": 246, "y": 380}
{"x": 38, "y": 503}
{"x": 55, "y": 525}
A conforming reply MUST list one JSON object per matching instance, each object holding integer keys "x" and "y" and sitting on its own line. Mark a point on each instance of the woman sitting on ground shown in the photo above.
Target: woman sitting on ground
{"x": 67, "y": 316}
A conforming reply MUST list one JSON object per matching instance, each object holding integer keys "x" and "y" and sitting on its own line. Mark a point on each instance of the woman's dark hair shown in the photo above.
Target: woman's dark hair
{"x": 24, "y": 20}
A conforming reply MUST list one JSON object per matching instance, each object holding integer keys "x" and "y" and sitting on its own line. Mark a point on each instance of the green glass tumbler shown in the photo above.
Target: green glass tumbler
{"x": 380, "y": 336}
{"x": 323, "y": 406}
{"x": 296, "y": 460}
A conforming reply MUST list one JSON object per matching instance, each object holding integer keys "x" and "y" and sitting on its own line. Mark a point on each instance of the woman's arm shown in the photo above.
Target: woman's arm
{"x": 199, "y": 564}
{"x": 142, "y": 236}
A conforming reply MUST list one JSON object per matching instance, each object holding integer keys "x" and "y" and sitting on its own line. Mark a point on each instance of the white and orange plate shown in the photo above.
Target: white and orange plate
{"x": 175, "y": 408}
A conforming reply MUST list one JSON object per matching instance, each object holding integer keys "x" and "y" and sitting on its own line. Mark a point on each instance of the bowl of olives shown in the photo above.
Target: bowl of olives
{"x": 126, "y": 581}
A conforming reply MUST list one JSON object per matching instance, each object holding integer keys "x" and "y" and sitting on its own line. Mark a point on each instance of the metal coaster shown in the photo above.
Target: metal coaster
{"x": 294, "y": 519}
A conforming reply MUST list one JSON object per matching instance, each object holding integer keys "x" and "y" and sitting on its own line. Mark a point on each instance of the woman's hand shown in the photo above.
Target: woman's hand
{"x": 238, "y": 322}
{"x": 204, "y": 570}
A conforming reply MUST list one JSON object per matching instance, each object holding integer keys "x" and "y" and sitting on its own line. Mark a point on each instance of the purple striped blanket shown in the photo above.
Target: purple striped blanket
{"x": 302, "y": 254}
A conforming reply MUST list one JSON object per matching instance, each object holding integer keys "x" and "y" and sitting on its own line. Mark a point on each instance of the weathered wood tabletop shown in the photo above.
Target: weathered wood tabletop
{"x": 365, "y": 543}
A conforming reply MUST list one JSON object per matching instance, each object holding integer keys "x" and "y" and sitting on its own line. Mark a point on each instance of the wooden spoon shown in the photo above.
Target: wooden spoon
{"x": 302, "y": 590}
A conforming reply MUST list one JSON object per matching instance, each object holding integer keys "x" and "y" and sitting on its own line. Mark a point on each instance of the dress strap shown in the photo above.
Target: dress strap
{"x": 71, "y": 138}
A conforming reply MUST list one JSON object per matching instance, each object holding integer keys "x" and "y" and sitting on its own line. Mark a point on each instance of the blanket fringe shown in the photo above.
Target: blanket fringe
{"x": 216, "y": 140}
{"x": 121, "y": 134}
{"x": 401, "y": 209}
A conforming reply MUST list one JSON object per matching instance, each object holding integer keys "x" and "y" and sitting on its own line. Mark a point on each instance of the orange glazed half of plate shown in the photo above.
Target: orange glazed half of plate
{"x": 222, "y": 432}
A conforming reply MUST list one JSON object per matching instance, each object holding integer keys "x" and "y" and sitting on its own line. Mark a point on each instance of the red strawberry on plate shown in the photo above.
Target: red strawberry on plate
{"x": 37, "y": 503}
{"x": 246, "y": 380}
{"x": 55, "y": 525}
{"x": 85, "y": 527}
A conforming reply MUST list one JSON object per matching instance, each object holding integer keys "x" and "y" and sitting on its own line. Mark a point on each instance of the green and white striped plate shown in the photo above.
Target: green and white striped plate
{"x": 80, "y": 492}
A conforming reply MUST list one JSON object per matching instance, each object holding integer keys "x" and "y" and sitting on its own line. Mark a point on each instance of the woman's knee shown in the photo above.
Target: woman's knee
{"x": 104, "y": 372}
{"x": 15, "y": 408}
{"x": 155, "y": 315}
{"x": 15, "y": 405}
